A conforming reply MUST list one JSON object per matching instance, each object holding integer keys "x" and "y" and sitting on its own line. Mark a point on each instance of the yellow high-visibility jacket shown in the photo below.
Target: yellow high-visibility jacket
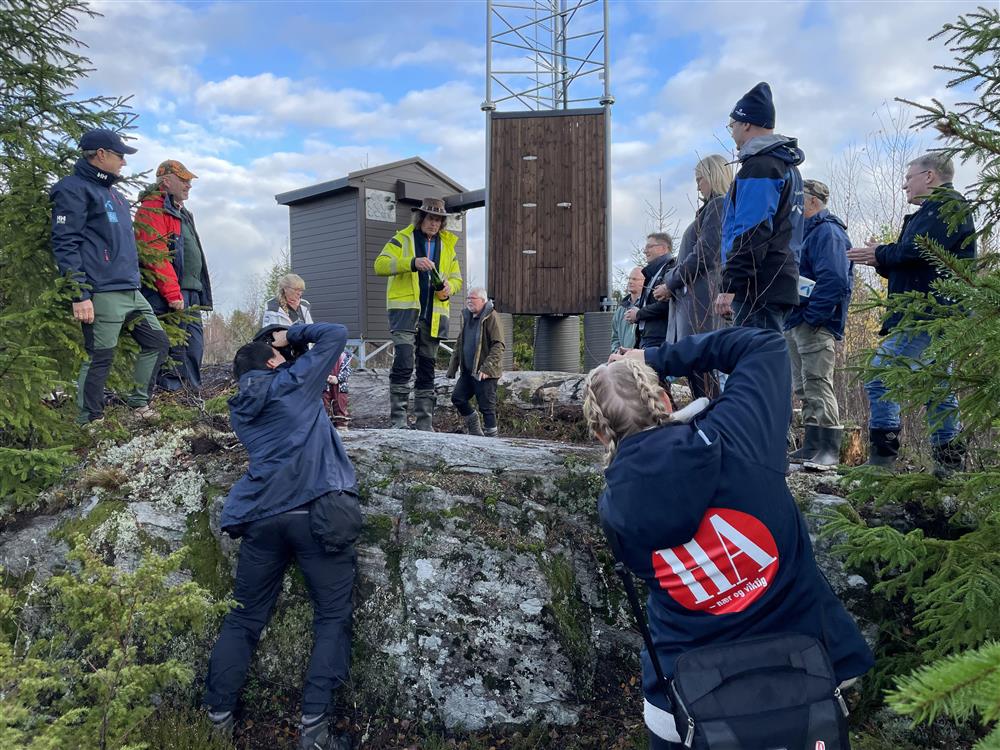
{"x": 403, "y": 287}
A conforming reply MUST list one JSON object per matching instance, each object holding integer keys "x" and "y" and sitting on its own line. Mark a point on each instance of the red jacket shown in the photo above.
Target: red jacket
{"x": 158, "y": 232}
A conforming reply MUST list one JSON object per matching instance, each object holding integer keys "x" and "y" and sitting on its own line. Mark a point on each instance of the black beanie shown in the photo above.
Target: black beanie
{"x": 755, "y": 107}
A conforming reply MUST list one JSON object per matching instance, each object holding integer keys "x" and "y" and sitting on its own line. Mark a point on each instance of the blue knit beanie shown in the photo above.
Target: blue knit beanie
{"x": 755, "y": 107}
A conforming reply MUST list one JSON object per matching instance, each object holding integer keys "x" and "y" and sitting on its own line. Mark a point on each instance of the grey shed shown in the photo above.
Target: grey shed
{"x": 337, "y": 228}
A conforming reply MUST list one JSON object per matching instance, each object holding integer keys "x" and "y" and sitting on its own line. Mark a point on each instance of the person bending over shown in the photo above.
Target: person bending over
{"x": 699, "y": 507}
{"x": 292, "y": 474}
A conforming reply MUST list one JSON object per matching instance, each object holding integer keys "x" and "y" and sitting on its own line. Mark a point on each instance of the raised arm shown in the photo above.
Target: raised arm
{"x": 309, "y": 371}
{"x": 754, "y": 411}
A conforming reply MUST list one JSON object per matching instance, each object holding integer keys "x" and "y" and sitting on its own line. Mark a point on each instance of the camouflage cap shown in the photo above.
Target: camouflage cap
{"x": 172, "y": 166}
{"x": 816, "y": 189}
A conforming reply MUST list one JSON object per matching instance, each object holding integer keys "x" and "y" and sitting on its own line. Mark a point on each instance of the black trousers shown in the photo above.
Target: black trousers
{"x": 406, "y": 345}
{"x": 268, "y": 546}
{"x": 485, "y": 392}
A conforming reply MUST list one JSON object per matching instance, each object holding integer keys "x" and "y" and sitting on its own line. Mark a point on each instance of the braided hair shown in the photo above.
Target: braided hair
{"x": 622, "y": 398}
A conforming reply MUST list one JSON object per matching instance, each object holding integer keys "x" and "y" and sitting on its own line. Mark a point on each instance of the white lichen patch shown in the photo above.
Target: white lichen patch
{"x": 154, "y": 465}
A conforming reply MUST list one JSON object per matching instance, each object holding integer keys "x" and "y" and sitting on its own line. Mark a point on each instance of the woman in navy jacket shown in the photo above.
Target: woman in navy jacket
{"x": 699, "y": 504}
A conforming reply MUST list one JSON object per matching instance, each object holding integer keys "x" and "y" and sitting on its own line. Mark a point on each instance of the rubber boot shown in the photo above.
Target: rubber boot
{"x": 423, "y": 409}
{"x": 948, "y": 458}
{"x": 883, "y": 448}
{"x": 828, "y": 440}
{"x": 473, "y": 425}
{"x": 399, "y": 395}
{"x": 810, "y": 444}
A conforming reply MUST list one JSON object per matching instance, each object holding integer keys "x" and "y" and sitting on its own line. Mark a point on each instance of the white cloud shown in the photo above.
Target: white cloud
{"x": 312, "y": 100}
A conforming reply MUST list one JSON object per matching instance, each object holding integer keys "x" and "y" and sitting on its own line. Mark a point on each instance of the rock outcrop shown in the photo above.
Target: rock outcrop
{"x": 485, "y": 594}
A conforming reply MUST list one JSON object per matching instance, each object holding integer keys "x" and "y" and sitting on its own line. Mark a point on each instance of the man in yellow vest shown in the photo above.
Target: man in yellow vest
{"x": 423, "y": 273}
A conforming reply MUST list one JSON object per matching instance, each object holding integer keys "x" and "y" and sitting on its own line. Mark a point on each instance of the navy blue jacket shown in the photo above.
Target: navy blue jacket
{"x": 762, "y": 224}
{"x": 824, "y": 260}
{"x": 903, "y": 263}
{"x": 295, "y": 454}
{"x": 703, "y": 515}
{"x": 92, "y": 238}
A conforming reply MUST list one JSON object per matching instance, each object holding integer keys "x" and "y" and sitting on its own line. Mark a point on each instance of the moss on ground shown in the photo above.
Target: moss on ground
{"x": 84, "y": 526}
{"x": 206, "y": 561}
{"x": 219, "y": 404}
{"x": 572, "y": 620}
{"x": 377, "y": 529}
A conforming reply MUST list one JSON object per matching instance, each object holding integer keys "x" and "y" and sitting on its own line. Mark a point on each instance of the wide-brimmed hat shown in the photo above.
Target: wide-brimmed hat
{"x": 432, "y": 206}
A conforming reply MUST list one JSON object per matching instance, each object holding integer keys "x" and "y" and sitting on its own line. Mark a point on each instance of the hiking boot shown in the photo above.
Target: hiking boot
{"x": 948, "y": 458}
{"x": 883, "y": 448}
{"x": 491, "y": 431}
{"x": 222, "y": 722}
{"x": 315, "y": 734}
{"x": 473, "y": 425}
{"x": 810, "y": 444}
{"x": 827, "y": 454}
{"x": 146, "y": 413}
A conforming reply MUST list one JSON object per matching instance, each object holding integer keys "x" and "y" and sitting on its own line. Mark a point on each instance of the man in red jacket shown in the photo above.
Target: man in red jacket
{"x": 176, "y": 275}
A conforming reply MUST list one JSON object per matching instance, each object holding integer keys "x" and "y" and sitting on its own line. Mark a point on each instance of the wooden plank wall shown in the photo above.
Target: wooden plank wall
{"x": 324, "y": 252}
{"x": 567, "y": 272}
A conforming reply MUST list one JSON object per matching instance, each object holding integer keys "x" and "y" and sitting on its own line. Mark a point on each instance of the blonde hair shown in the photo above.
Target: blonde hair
{"x": 717, "y": 171}
{"x": 620, "y": 399}
{"x": 288, "y": 281}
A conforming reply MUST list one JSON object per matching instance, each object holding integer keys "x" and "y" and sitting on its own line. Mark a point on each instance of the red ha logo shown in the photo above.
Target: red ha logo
{"x": 727, "y": 565}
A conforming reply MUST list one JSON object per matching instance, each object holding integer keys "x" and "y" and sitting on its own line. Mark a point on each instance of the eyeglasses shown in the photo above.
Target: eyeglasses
{"x": 108, "y": 150}
{"x": 909, "y": 177}
{"x": 650, "y": 247}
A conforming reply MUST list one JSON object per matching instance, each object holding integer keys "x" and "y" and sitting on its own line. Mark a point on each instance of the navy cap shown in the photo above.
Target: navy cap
{"x": 755, "y": 107}
{"x": 109, "y": 140}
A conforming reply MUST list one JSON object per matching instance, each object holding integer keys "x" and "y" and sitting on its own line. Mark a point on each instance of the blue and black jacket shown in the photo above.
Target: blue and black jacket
{"x": 702, "y": 513}
{"x": 762, "y": 224}
{"x": 92, "y": 238}
{"x": 903, "y": 262}
{"x": 824, "y": 260}
{"x": 295, "y": 454}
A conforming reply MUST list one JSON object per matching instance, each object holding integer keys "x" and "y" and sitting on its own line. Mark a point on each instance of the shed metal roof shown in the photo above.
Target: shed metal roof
{"x": 345, "y": 183}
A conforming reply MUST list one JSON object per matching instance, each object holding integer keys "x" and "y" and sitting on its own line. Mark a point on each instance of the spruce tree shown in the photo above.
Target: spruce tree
{"x": 41, "y": 120}
{"x": 951, "y": 575}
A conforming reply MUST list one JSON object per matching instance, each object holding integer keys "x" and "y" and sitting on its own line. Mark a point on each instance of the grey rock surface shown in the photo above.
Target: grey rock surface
{"x": 484, "y": 597}
{"x": 527, "y": 390}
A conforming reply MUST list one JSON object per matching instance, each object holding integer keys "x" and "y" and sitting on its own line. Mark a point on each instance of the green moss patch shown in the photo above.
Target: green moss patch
{"x": 208, "y": 565}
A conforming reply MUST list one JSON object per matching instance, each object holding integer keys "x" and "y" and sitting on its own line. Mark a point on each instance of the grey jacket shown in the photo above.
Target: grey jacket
{"x": 694, "y": 280}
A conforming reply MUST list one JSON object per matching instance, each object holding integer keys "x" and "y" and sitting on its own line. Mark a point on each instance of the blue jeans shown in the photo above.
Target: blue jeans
{"x": 185, "y": 367}
{"x": 942, "y": 418}
{"x": 268, "y": 546}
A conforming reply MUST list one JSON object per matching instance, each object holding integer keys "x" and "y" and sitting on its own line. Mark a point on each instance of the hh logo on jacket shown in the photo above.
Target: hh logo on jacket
{"x": 727, "y": 565}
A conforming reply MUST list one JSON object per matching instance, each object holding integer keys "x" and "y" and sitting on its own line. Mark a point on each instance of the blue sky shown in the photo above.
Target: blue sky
{"x": 259, "y": 98}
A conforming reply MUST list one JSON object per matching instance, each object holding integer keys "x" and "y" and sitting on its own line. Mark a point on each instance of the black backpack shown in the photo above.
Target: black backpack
{"x": 771, "y": 692}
